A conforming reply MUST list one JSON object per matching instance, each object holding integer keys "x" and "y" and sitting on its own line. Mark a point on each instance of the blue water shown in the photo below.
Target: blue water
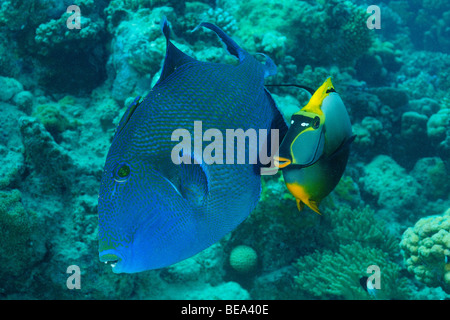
{"x": 66, "y": 79}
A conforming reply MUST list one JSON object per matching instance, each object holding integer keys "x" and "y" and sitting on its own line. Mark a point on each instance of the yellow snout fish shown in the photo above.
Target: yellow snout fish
{"x": 314, "y": 153}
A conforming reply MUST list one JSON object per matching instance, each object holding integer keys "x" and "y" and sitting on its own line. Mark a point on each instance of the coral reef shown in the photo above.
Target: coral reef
{"x": 21, "y": 246}
{"x": 12, "y": 164}
{"x": 54, "y": 121}
{"x": 426, "y": 250}
{"x": 338, "y": 276}
{"x": 10, "y": 87}
{"x": 47, "y": 157}
{"x": 356, "y": 239}
{"x": 370, "y": 132}
{"x": 316, "y": 28}
{"x": 389, "y": 184}
{"x": 24, "y": 100}
{"x": 51, "y": 37}
{"x": 63, "y": 92}
{"x": 432, "y": 175}
{"x": 137, "y": 48}
{"x": 358, "y": 225}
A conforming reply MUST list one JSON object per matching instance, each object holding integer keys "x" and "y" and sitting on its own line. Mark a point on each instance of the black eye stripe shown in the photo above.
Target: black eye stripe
{"x": 298, "y": 120}
{"x": 316, "y": 122}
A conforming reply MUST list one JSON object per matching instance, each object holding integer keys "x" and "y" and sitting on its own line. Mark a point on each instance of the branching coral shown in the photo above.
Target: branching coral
{"x": 336, "y": 275}
{"x": 426, "y": 250}
{"x": 354, "y": 239}
{"x": 222, "y": 19}
{"x": 358, "y": 225}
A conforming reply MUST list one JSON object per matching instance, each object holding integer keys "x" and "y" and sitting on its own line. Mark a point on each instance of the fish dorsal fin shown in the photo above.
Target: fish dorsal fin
{"x": 194, "y": 182}
{"x": 232, "y": 47}
{"x": 175, "y": 58}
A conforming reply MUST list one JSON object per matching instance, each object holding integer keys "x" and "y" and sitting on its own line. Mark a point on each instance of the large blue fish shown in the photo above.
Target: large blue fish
{"x": 153, "y": 212}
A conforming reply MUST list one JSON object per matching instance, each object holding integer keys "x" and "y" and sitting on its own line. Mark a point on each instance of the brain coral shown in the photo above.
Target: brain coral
{"x": 426, "y": 250}
{"x": 243, "y": 259}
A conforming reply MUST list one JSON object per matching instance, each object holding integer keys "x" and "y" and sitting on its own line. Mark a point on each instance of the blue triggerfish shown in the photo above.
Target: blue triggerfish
{"x": 153, "y": 212}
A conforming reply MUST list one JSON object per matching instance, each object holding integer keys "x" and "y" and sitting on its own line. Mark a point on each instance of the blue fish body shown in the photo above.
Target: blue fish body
{"x": 154, "y": 213}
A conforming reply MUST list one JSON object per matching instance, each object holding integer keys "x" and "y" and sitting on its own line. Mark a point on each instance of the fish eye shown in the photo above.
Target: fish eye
{"x": 122, "y": 172}
{"x": 316, "y": 122}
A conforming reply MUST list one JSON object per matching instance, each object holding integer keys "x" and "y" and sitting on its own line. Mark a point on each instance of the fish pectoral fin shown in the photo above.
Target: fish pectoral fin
{"x": 314, "y": 205}
{"x": 308, "y": 147}
{"x": 193, "y": 183}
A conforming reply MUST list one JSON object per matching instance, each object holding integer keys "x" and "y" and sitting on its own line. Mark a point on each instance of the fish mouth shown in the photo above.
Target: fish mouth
{"x": 281, "y": 162}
